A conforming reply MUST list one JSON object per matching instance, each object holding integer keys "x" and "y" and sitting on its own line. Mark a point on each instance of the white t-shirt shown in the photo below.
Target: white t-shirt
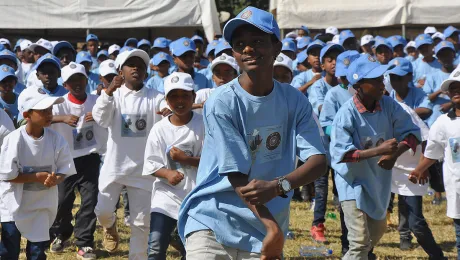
{"x": 6, "y": 125}
{"x": 129, "y": 116}
{"x": 32, "y": 206}
{"x": 87, "y": 137}
{"x": 26, "y": 68}
{"x": 32, "y": 80}
{"x": 201, "y": 96}
{"x": 407, "y": 162}
{"x": 166, "y": 199}
{"x": 444, "y": 143}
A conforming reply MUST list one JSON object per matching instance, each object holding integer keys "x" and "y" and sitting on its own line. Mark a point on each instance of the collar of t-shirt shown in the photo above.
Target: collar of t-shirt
{"x": 75, "y": 100}
{"x": 124, "y": 90}
{"x": 452, "y": 115}
{"x": 361, "y": 108}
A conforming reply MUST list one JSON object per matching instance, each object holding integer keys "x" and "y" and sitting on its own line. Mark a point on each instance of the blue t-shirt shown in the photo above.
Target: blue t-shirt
{"x": 333, "y": 100}
{"x": 257, "y": 136}
{"x": 95, "y": 64}
{"x": 457, "y": 59}
{"x": 207, "y": 72}
{"x": 410, "y": 58}
{"x": 302, "y": 78}
{"x": 12, "y": 108}
{"x": 365, "y": 181}
{"x": 156, "y": 82}
{"x": 423, "y": 69}
{"x": 201, "y": 82}
{"x": 93, "y": 82}
{"x": 415, "y": 98}
{"x": 18, "y": 88}
{"x": 432, "y": 84}
{"x": 318, "y": 91}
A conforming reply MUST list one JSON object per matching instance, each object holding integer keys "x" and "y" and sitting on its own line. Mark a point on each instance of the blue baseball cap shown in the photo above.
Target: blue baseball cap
{"x": 303, "y": 42}
{"x": 443, "y": 45}
{"x": 2, "y": 47}
{"x": 450, "y": 30}
{"x": 159, "y": 57}
{"x": 7, "y": 71}
{"x": 301, "y": 56}
{"x": 91, "y": 37}
{"x": 144, "y": 42}
{"x": 396, "y": 40}
{"x": 197, "y": 38}
{"x": 383, "y": 42}
{"x": 211, "y": 46}
{"x": 84, "y": 56}
{"x": 253, "y": 16}
{"x": 344, "y": 35}
{"x": 7, "y": 54}
{"x": 160, "y": 42}
{"x": 125, "y": 48}
{"x": 343, "y": 62}
{"x": 222, "y": 46}
{"x": 289, "y": 45}
{"x": 61, "y": 45}
{"x": 103, "y": 52}
{"x": 131, "y": 40}
{"x": 18, "y": 43}
{"x": 315, "y": 44}
{"x": 317, "y": 36}
{"x": 305, "y": 28}
{"x": 402, "y": 66}
{"x": 329, "y": 47}
{"x": 49, "y": 58}
{"x": 423, "y": 39}
{"x": 365, "y": 67}
{"x": 181, "y": 46}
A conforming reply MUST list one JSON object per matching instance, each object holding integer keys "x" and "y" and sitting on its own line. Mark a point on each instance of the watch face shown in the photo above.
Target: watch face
{"x": 286, "y": 185}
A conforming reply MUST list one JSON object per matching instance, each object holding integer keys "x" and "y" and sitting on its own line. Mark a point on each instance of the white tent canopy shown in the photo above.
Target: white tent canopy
{"x": 98, "y": 14}
{"x": 364, "y": 13}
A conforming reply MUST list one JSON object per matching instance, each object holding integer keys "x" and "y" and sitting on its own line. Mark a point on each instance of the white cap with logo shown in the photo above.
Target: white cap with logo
{"x": 71, "y": 69}
{"x": 225, "y": 59}
{"x": 283, "y": 60}
{"x": 178, "y": 80}
{"x": 42, "y": 43}
{"x": 107, "y": 67}
{"x": 113, "y": 48}
{"x": 332, "y": 30}
{"x": 37, "y": 99}
{"x": 25, "y": 44}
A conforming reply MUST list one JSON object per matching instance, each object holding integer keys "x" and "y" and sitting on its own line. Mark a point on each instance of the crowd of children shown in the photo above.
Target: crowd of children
{"x": 203, "y": 139}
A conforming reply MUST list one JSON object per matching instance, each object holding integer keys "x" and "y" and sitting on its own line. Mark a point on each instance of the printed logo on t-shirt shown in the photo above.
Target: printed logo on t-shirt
{"x": 265, "y": 142}
{"x": 454, "y": 144}
{"x": 133, "y": 125}
{"x": 35, "y": 186}
{"x": 83, "y": 138}
{"x": 368, "y": 142}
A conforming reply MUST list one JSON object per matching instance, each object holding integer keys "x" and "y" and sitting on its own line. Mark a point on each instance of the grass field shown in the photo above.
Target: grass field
{"x": 301, "y": 218}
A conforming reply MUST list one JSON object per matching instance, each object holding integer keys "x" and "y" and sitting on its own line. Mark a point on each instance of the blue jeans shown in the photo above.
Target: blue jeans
{"x": 161, "y": 227}
{"x": 321, "y": 186}
{"x": 11, "y": 239}
{"x": 411, "y": 215}
{"x": 457, "y": 233}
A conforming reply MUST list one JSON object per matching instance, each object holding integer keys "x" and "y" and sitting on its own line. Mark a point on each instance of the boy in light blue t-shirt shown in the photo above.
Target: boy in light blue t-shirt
{"x": 426, "y": 63}
{"x": 254, "y": 129}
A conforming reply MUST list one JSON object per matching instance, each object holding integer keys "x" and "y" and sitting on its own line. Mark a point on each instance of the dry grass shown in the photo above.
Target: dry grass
{"x": 301, "y": 218}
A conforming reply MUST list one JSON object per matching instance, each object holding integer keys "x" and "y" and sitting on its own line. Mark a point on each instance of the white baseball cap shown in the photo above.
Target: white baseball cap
{"x": 5, "y": 41}
{"x": 225, "y": 59}
{"x": 178, "y": 80}
{"x": 292, "y": 35}
{"x": 113, "y": 48}
{"x": 107, "y": 67}
{"x": 336, "y": 39}
{"x": 430, "y": 30}
{"x": 124, "y": 56}
{"x": 25, "y": 44}
{"x": 367, "y": 39}
{"x": 42, "y": 43}
{"x": 438, "y": 35}
{"x": 36, "y": 98}
{"x": 283, "y": 60}
{"x": 453, "y": 77}
{"x": 408, "y": 45}
{"x": 71, "y": 69}
{"x": 332, "y": 30}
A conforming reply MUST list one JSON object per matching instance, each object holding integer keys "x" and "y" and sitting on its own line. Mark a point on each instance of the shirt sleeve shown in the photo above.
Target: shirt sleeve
{"x": 403, "y": 126}
{"x": 429, "y": 87}
{"x": 436, "y": 142}
{"x": 153, "y": 156}
{"x": 6, "y": 126}
{"x": 329, "y": 110}
{"x": 298, "y": 81}
{"x": 64, "y": 160}
{"x": 104, "y": 110}
{"x": 9, "y": 163}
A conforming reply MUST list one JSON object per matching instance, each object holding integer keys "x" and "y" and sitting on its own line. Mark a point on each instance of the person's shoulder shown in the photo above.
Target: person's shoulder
{"x": 288, "y": 90}
{"x": 224, "y": 94}
{"x": 417, "y": 91}
{"x": 14, "y": 136}
{"x": 153, "y": 92}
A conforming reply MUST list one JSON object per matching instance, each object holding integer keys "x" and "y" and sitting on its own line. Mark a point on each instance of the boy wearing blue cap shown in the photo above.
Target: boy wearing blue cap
{"x": 92, "y": 45}
{"x": 200, "y": 61}
{"x": 303, "y": 43}
{"x": 305, "y": 80}
{"x": 397, "y": 43}
{"x": 369, "y": 132}
{"x": 383, "y": 51}
{"x": 289, "y": 48}
{"x": 303, "y": 31}
{"x": 102, "y": 55}
{"x": 8, "y": 99}
{"x": 160, "y": 63}
{"x": 144, "y": 45}
{"x": 348, "y": 40}
{"x": 48, "y": 72}
{"x": 84, "y": 58}
{"x": 244, "y": 161}
{"x": 426, "y": 63}
{"x": 301, "y": 62}
{"x": 451, "y": 34}
{"x": 9, "y": 59}
{"x": 160, "y": 45}
{"x": 131, "y": 42}
{"x": 65, "y": 52}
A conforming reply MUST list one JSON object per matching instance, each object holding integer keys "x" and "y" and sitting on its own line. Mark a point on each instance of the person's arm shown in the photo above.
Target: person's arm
{"x": 70, "y": 120}
{"x": 197, "y": 105}
{"x": 179, "y": 156}
{"x": 104, "y": 109}
{"x": 433, "y": 96}
{"x": 29, "y": 178}
{"x": 387, "y": 147}
{"x": 172, "y": 176}
{"x": 423, "y": 112}
{"x": 307, "y": 85}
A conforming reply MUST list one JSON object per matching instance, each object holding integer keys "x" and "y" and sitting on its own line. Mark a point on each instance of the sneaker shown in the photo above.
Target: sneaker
{"x": 405, "y": 244}
{"x": 58, "y": 245}
{"x": 111, "y": 238}
{"x": 317, "y": 233}
{"x": 86, "y": 253}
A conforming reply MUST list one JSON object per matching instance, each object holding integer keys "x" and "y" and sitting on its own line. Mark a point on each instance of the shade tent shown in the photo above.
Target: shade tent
{"x": 97, "y": 14}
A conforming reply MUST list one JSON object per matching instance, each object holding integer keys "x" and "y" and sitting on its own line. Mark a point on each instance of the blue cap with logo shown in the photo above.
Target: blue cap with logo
{"x": 423, "y": 39}
{"x": 289, "y": 45}
{"x": 302, "y": 56}
{"x": 160, "y": 42}
{"x": 402, "y": 66}
{"x": 330, "y": 47}
{"x": 253, "y": 16}
{"x": 343, "y": 62}
{"x": 61, "y": 45}
{"x": 305, "y": 29}
{"x": 222, "y": 46}
{"x": 103, "y": 53}
{"x": 365, "y": 67}
{"x": 345, "y": 35}
{"x": 7, "y": 54}
{"x": 450, "y": 30}
{"x": 6, "y": 71}
{"x": 211, "y": 46}
{"x": 303, "y": 42}
{"x": 131, "y": 41}
{"x": 315, "y": 44}
{"x": 159, "y": 57}
{"x": 181, "y": 46}
{"x": 84, "y": 56}
{"x": 91, "y": 37}
{"x": 383, "y": 42}
{"x": 396, "y": 40}
{"x": 144, "y": 42}
{"x": 197, "y": 38}
{"x": 49, "y": 58}
{"x": 443, "y": 45}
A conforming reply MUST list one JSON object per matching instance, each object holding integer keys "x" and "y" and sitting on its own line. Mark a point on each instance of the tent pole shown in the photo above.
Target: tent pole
{"x": 403, "y": 30}
{"x": 282, "y": 33}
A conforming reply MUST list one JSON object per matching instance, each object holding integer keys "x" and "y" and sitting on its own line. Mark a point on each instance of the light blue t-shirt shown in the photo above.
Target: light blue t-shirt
{"x": 93, "y": 82}
{"x": 302, "y": 78}
{"x": 18, "y": 88}
{"x": 156, "y": 82}
{"x": 333, "y": 100}
{"x": 257, "y": 136}
{"x": 95, "y": 64}
{"x": 423, "y": 69}
{"x": 201, "y": 82}
{"x": 365, "y": 181}
{"x": 457, "y": 59}
{"x": 415, "y": 98}
{"x": 207, "y": 72}
{"x": 318, "y": 91}
{"x": 409, "y": 58}
{"x": 12, "y": 108}
{"x": 432, "y": 84}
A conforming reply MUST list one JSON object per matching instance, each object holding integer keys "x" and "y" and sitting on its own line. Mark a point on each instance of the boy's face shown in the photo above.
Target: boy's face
{"x": 454, "y": 93}
{"x": 313, "y": 58}
{"x": 134, "y": 71}
{"x": 163, "y": 67}
{"x": 426, "y": 50}
{"x": 10, "y": 63}
{"x": 412, "y": 52}
{"x": 446, "y": 57}
{"x": 65, "y": 55}
{"x": 400, "y": 82}
{"x": 290, "y": 54}
{"x": 48, "y": 74}
{"x": 372, "y": 89}
{"x": 19, "y": 53}
{"x": 222, "y": 74}
{"x": 87, "y": 66}
{"x": 349, "y": 44}
{"x": 7, "y": 85}
{"x": 39, "y": 52}
{"x": 383, "y": 54}
{"x": 114, "y": 55}
{"x": 145, "y": 48}
{"x": 185, "y": 61}
{"x": 132, "y": 45}
{"x": 101, "y": 58}
{"x": 282, "y": 74}
{"x": 253, "y": 49}
{"x": 40, "y": 118}
{"x": 436, "y": 41}
{"x": 398, "y": 51}
{"x": 107, "y": 79}
{"x": 28, "y": 56}
{"x": 180, "y": 101}
{"x": 453, "y": 38}
{"x": 329, "y": 62}
{"x": 211, "y": 56}
{"x": 76, "y": 85}
{"x": 92, "y": 47}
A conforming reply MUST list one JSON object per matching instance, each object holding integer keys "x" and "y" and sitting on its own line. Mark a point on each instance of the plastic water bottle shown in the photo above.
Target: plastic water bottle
{"x": 331, "y": 215}
{"x": 290, "y": 235}
{"x": 314, "y": 251}
{"x": 430, "y": 192}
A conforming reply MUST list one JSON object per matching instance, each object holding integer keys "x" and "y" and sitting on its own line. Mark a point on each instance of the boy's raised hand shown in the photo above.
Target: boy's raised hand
{"x": 389, "y": 147}
{"x": 164, "y": 112}
{"x": 116, "y": 83}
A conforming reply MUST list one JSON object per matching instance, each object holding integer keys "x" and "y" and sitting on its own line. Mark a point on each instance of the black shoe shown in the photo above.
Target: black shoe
{"x": 344, "y": 250}
{"x": 58, "y": 245}
{"x": 405, "y": 244}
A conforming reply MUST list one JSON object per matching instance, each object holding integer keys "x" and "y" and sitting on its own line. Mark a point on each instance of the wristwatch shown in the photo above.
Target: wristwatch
{"x": 284, "y": 186}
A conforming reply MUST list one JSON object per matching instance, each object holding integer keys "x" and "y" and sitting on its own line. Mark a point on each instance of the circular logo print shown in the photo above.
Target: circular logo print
{"x": 175, "y": 79}
{"x": 214, "y": 43}
{"x": 89, "y": 135}
{"x": 5, "y": 69}
{"x": 41, "y": 91}
{"x": 420, "y": 38}
{"x": 222, "y": 57}
{"x": 186, "y": 43}
{"x": 395, "y": 38}
{"x": 162, "y": 55}
{"x": 73, "y": 66}
{"x": 370, "y": 58}
{"x": 346, "y": 62}
{"x": 273, "y": 141}
{"x": 246, "y": 14}
{"x": 141, "y": 124}
{"x": 443, "y": 44}
{"x": 355, "y": 76}
{"x": 457, "y": 74}
{"x": 279, "y": 59}
{"x": 111, "y": 65}
{"x": 286, "y": 44}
